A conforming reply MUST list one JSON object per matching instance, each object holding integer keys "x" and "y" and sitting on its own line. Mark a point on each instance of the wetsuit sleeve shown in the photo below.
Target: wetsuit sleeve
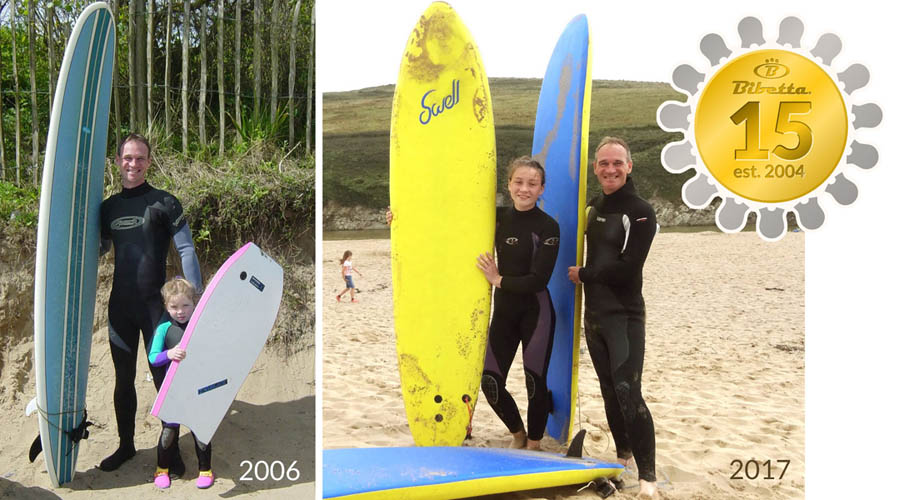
{"x": 544, "y": 261}
{"x": 174, "y": 214}
{"x": 184, "y": 243}
{"x": 630, "y": 262}
{"x": 158, "y": 354}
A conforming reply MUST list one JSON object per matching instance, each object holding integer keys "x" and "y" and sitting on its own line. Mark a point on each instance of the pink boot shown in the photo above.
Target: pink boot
{"x": 161, "y": 478}
{"x": 205, "y": 479}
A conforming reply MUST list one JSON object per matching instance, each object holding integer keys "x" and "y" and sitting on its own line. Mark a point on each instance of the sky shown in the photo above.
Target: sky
{"x": 852, "y": 269}
{"x": 360, "y": 43}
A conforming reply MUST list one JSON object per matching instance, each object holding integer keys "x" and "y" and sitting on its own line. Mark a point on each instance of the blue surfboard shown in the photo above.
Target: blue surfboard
{"x": 68, "y": 238}
{"x": 561, "y": 130}
{"x": 450, "y": 472}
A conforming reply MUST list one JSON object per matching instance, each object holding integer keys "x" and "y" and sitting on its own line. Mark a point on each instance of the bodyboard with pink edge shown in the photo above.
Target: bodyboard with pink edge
{"x": 223, "y": 339}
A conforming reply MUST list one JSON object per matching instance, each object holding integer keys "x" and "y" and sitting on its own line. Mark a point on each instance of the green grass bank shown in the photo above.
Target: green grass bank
{"x": 257, "y": 195}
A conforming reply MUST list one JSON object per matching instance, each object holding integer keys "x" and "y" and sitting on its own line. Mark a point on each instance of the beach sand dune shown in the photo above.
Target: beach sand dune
{"x": 723, "y": 377}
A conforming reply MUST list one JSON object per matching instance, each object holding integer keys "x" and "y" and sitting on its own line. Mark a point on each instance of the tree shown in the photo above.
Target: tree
{"x": 309, "y": 79}
{"x": 201, "y": 106}
{"x": 237, "y": 67}
{"x": 293, "y": 67}
{"x": 257, "y": 53}
{"x": 276, "y": 21}
{"x": 116, "y": 102}
{"x": 168, "y": 72}
{"x": 221, "y": 75}
{"x": 185, "y": 53}
{"x": 15, "y": 77}
{"x": 33, "y": 79}
{"x": 2, "y": 141}
{"x": 142, "y": 36}
{"x": 150, "y": 8}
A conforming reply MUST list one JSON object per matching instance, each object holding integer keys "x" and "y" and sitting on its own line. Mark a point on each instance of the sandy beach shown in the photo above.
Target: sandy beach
{"x": 724, "y": 368}
{"x": 272, "y": 419}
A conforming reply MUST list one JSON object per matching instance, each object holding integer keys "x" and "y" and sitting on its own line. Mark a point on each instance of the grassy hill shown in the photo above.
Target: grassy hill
{"x": 356, "y": 136}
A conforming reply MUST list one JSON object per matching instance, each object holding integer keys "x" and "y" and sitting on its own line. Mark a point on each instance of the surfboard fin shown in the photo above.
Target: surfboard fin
{"x": 576, "y": 448}
{"x": 32, "y": 406}
{"x": 36, "y": 448}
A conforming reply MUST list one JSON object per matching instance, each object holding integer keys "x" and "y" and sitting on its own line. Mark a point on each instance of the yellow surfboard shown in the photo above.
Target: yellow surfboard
{"x": 443, "y": 197}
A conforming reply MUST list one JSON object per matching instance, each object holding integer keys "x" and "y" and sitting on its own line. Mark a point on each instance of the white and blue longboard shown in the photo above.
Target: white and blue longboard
{"x": 65, "y": 284}
{"x": 561, "y": 131}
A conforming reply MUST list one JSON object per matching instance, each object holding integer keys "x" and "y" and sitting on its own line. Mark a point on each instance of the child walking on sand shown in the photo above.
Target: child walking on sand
{"x": 346, "y": 270}
{"x": 180, "y": 299}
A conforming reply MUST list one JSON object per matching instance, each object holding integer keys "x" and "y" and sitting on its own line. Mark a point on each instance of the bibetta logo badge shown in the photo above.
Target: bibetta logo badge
{"x": 770, "y": 127}
{"x": 432, "y": 109}
{"x": 771, "y": 69}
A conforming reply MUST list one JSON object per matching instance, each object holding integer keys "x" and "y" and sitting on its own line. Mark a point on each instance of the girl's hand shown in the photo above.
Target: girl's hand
{"x": 176, "y": 354}
{"x": 488, "y": 266}
{"x": 388, "y": 216}
{"x": 574, "y": 274}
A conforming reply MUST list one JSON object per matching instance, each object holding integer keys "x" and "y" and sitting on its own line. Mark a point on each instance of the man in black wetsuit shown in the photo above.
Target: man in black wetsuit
{"x": 620, "y": 230}
{"x": 139, "y": 222}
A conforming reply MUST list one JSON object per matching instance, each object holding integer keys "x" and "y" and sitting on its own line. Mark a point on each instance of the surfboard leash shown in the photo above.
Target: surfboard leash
{"x": 44, "y": 413}
{"x": 606, "y": 487}
{"x": 76, "y": 434}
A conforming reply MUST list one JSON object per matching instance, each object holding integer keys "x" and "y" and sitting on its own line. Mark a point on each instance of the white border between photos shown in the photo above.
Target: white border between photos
{"x": 318, "y": 278}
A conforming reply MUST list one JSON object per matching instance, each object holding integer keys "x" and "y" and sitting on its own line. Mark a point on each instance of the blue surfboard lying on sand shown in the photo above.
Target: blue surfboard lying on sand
{"x": 561, "y": 129}
{"x": 434, "y": 472}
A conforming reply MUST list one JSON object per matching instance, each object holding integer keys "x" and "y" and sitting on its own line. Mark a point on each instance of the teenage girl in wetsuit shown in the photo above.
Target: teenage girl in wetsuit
{"x": 620, "y": 230}
{"x": 527, "y": 243}
{"x": 180, "y": 298}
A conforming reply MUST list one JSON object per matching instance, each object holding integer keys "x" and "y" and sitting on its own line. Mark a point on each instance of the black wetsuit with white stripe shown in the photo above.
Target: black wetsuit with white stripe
{"x": 527, "y": 244}
{"x": 620, "y": 230}
{"x": 140, "y": 223}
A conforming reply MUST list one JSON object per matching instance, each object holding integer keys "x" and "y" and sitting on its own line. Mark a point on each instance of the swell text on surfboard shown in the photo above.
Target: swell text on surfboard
{"x": 435, "y": 109}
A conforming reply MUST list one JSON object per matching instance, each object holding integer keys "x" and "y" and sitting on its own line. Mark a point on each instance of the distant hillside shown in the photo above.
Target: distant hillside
{"x": 356, "y": 136}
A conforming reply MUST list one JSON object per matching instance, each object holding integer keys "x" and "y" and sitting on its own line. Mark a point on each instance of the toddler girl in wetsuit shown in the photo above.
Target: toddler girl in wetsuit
{"x": 179, "y": 297}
